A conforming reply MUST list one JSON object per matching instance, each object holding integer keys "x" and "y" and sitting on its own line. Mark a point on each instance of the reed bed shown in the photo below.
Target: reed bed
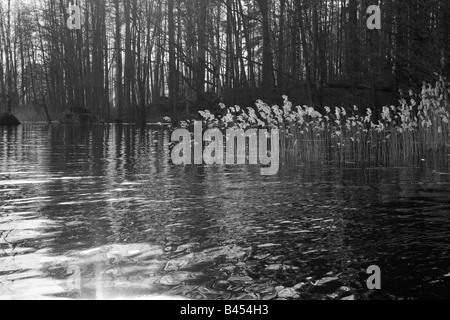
{"x": 415, "y": 130}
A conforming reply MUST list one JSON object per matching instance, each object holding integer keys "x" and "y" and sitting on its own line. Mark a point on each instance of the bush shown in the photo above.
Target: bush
{"x": 8, "y": 120}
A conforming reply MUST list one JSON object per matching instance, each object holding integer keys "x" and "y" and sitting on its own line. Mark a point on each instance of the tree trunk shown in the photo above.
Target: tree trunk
{"x": 268, "y": 72}
{"x": 172, "y": 57}
{"x": 119, "y": 67}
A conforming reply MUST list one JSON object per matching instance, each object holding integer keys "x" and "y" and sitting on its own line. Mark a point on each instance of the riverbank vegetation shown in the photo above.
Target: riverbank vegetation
{"x": 415, "y": 129}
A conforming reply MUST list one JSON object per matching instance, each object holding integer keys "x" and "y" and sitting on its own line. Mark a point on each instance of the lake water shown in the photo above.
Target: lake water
{"x": 101, "y": 213}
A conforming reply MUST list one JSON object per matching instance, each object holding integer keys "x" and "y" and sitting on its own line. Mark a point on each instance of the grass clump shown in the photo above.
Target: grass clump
{"x": 415, "y": 129}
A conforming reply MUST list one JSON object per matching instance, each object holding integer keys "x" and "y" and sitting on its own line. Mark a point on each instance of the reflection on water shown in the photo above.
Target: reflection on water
{"x": 101, "y": 213}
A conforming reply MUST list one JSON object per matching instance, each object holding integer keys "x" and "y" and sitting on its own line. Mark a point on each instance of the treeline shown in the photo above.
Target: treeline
{"x": 182, "y": 55}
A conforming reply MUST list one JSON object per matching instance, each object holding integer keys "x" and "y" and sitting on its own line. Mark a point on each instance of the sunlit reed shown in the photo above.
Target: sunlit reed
{"x": 407, "y": 133}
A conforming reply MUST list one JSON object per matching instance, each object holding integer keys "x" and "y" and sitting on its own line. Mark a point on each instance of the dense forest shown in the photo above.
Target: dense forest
{"x": 139, "y": 59}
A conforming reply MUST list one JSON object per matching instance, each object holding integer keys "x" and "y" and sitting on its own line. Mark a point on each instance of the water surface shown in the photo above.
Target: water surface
{"x": 101, "y": 213}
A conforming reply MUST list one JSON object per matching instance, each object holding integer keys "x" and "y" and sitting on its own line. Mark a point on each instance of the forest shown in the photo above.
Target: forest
{"x": 241, "y": 150}
{"x": 139, "y": 60}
